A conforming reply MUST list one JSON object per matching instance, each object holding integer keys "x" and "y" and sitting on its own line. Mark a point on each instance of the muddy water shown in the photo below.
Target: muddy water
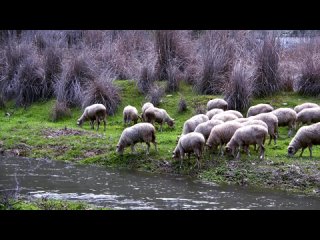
{"x": 135, "y": 190}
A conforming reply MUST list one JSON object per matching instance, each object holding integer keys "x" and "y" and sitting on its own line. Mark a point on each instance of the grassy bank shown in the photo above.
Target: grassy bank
{"x": 30, "y": 133}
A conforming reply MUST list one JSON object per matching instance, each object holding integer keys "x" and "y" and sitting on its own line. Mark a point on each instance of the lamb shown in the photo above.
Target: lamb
{"x": 205, "y": 127}
{"x": 213, "y": 112}
{"x": 94, "y": 112}
{"x": 234, "y": 112}
{"x": 300, "y": 107}
{"x": 188, "y": 143}
{"x": 305, "y": 137}
{"x": 224, "y": 116}
{"x": 259, "y": 108}
{"x": 159, "y": 115}
{"x": 308, "y": 116}
{"x": 272, "y": 121}
{"x": 140, "y": 132}
{"x": 286, "y": 117}
{"x": 130, "y": 113}
{"x": 217, "y": 103}
{"x": 221, "y": 134}
{"x": 245, "y": 136}
{"x": 144, "y": 108}
{"x": 191, "y": 124}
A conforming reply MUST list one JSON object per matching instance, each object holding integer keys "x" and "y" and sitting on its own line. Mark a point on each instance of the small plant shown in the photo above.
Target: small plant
{"x": 199, "y": 108}
{"x": 155, "y": 95}
{"x": 145, "y": 81}
{"x": 182, "y": 106}
{"x": 60, "y": 110}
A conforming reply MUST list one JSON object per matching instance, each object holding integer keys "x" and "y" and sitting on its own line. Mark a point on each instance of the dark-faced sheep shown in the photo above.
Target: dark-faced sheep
{"x": 159, "y": 115}
{"x": 306, "y": 136}
{"x": 286, "y": 117}
{"x": 302, "y": 106}
{"x": 245, "y": 136}
{"x": 95, "y": 112}
{"x": 217, "y": 103}
{"x": 144, "y": 108}
{"x": 308, "y": 116}
{"x": 221, "y": 134}
{"x": 130, "y": 113}
{"x": 191, "y": 124}
{"x": 259, "y": 108}
{"x": 190, "y": 143}
{"x": 141, "y": 132}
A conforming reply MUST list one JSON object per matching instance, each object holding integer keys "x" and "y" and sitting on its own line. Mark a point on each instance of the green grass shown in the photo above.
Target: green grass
{"x": 98, "y": 147}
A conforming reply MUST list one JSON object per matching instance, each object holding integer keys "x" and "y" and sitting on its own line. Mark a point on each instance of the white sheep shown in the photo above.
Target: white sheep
{"x": 302, "y": 106}
{"x": 213, "y": 112}
{"x": 217, "y": 103}
{"x": 191, "y": 124}
{"x": 159, "y": 115}
{"x": 224, "y": 116}
{"x": 272, "y": 121}
{"x": 259, "y": 108}
{"x": 237, "y": 113}
{"x": 95, "y": 112}
{"x": 286, "y": 117}
{"x": 188, "y": 143}
{"x": 245, "y": 136}
{"x": 306, "y": 136}
{"x": 205, "y": 127}
{"x": 221, "y": 134}
{"x": 308, "y": 116}
{"x": 140, "y": 132}
{"x": 130, "y": 113}
{"x": 144, "y": 108}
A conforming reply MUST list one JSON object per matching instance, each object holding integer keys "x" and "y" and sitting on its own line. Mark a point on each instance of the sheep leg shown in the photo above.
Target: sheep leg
{"x": 133, "y": 149}
{"x": 92, "y": 124}
{"x": 104, "y": 124}
{"x": 197, "y": 153}
{"x": 148, "y": 147}
{"x": 310, "y": 150}
{"x": 302, "y": 151}
{"x": 161, "y": 126}
{"x": 181, "y": 158}
{"x": 270, "y": 140}
{"x": 98, "y": 122}
{"x": 262, "y": 148}
{"x": 221, "y": 151}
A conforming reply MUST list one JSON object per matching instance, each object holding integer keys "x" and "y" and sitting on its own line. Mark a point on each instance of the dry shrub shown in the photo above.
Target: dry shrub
{"x": 238, "y": 90}
{"x": 59, "y": 111}
{"x": 266, "y": 80}
{"x": 146, "y": 79}
{"x": 102, "y": 91}
{"x": 155, "y": 95}
{"x": 182, "y": 106}
{"x": 199, "y": 108}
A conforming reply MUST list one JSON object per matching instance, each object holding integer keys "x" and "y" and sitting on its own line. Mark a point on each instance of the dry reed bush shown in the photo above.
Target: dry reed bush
{"x": 102, "y": 91}
{"x": 266, "y": 80}
{"x": 59, "y": 111}
{"x": 238, "y": 90}
{"x": 217, "y": 62}
{"x": 155, "y": 95}
{"x": 182, "y": 105}
{"x": 146, "y": 79}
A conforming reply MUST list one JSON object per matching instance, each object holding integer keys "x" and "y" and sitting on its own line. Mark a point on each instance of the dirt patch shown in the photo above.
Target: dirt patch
{"x": 20, "y": 149}
{"x": 53, "y": 133}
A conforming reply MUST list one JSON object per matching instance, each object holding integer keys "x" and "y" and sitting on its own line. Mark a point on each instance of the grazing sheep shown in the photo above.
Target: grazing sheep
{"x": 237, "y": 113}
{"x": 224, "y": 116}
{"x": 217, "y": 103}
{"x": 242, "y": 120}
{"x": 259, "y": 108}
{"x": 188, "y": 143}
{"x": 272, "y": 121}
{"x": 308, "y": 116}
{"x": 302, "y": 106}
{"x": 245, "y": 136}
{"x": 286, "y": 117}
{"x": 191, "y": 124}
{"x": 305, "y": 137}
{"x": 140, "y": 132}
{"x": 205, "y": 127}
{"x": 221, "y": 134}
{"x": 95, "y": 112}
{"x": 255, "y": 122}
{"x": 144, "y": 108}
{"x": 213, "y": 112}
{"x": 130, "y": 113}
{"x": 159, "y": 115}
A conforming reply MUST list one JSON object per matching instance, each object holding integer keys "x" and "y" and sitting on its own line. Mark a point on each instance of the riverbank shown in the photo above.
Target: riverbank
{"x": 30, "y": 133}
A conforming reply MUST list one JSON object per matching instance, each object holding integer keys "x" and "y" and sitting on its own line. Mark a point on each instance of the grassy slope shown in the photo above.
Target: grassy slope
{"x": 25, "y": 126}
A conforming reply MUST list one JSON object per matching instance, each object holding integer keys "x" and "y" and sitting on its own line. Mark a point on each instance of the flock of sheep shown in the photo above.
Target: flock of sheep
{"x": 216, "y": 128}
